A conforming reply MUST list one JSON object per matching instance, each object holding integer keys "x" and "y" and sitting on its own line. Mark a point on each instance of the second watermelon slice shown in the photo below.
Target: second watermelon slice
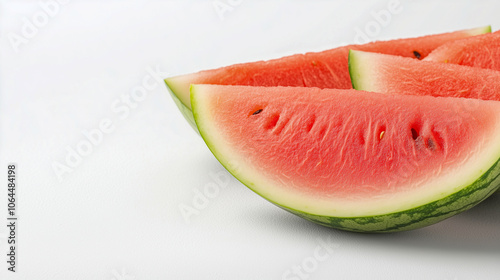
{"x": 327, "y": 69}
{"x": 399, "y": 75}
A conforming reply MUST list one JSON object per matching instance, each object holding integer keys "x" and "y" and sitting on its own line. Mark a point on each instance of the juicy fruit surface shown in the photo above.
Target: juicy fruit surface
{"x": 327, "y": 69}
{"x": 479, "y": 51}
{"x": 332, "y": 155}
{"x": 399, "y": 75}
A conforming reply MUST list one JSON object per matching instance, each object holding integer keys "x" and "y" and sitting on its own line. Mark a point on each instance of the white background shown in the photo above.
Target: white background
{"x": 116, "y": 215}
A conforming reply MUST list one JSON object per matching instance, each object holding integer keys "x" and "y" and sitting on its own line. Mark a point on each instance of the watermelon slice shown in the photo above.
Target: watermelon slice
{"x": 354, "y": 160}
{"x": 327, "y": 69}
{"x": 481, "y": 51}
{"x": 400, "y": 75}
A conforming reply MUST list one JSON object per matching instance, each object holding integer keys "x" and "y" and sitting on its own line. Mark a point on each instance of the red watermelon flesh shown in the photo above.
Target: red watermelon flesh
{"x": 400, "y": 75}
{"x": 481, "y": 51}
{"x": 327, "y": 69}
{"x": 347, "y": 153}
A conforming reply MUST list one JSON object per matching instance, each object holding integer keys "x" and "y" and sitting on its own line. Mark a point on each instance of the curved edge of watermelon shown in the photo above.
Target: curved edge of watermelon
{"x": 440, "y": 209}
{"x": 410, "y": 219}
{"x": 185, "y": 111}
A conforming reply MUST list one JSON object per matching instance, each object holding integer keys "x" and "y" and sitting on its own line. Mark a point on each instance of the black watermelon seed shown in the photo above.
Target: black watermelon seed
{"x": 417, "y": 54}
{"x": 414, "y": 134}
{"x": 256, "y": 112}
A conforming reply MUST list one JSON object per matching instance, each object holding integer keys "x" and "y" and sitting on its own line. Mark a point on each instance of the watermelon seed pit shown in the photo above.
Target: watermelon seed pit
{"x": 382, "y": 134}
{"x": 311, "y": 123}
{"x": 417, "y": 54}
{"x": 257, "y": 112}
{"x": 361, "y": 138}
{"x": 273, "y": 120}
{"x": 414, "y": 134}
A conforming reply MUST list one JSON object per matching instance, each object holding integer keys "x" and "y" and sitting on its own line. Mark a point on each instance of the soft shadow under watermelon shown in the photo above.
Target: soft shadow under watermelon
{"x": 473, "y": 231}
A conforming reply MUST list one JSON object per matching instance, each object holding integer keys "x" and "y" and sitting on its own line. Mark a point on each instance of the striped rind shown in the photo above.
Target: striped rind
{"x": 418, "y": 217}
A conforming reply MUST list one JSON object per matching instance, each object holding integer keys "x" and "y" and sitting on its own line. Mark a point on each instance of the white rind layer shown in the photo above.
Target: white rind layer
{"x": 361, "y": 79}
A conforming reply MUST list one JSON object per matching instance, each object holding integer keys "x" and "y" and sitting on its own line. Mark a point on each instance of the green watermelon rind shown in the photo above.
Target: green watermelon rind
{"x": 185, "y": 111}
{"x": 354, "y": 71}
{"x": 356, "y": 67}
{"x": 417, "y": 217}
